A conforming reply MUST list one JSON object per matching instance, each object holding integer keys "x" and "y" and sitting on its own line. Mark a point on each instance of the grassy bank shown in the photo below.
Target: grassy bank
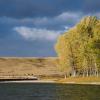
{"x": 43, "y": 68}
{"x": 24, "y": 67}
{"x": 80, "y": 80}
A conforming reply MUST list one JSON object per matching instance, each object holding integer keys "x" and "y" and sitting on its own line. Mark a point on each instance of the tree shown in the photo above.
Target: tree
{"x": 79, "y": 48}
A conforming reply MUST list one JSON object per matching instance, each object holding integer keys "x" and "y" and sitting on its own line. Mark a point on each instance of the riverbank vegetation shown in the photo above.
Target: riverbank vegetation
{"x": 79, "y": 49}
{"x": 80, "y": 80}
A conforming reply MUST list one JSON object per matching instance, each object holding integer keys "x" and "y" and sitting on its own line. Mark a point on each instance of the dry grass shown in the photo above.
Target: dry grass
{"x": 80, "y": 80}
{"x": 29, "y": 66}
{"x": 45, "y": 68}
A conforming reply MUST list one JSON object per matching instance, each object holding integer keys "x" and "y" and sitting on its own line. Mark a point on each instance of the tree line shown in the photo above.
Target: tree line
{"x": 78, "y": 49}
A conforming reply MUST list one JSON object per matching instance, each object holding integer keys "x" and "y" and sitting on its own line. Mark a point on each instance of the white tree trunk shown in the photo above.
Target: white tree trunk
{"x": 97, "y": 73}
{"x": 96, "y": 70}
{"x": 65, "y": 76}
{"x": 74, "y": 73}
{"x": 87, "y": 74}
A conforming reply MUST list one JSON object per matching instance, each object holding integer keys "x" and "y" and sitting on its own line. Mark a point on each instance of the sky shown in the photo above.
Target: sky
{"x": 29, "y": 28}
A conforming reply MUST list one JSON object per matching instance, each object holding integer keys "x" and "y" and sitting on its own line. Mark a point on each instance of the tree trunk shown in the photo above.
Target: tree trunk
{"x": 84, "y": 73}
{"x": 87, "y": 74}
{"x": 74, "y": 73}
{"x": 97, "y": 73}
{"x": 65, "y": 76}
{"x": 96, "y": 70}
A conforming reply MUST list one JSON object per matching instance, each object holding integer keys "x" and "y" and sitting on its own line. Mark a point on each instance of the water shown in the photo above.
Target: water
{"x": 37, "y": 91}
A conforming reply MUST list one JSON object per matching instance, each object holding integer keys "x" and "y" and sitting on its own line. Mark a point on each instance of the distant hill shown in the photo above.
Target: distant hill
{"x": 29, "y": 66}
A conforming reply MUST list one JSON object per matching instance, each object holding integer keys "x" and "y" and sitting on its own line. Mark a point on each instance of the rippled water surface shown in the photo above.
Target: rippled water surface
{"x": 37, "y": 91}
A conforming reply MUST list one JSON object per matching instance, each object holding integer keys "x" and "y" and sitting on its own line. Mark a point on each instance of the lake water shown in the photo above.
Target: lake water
{"x": 41, "y": 91}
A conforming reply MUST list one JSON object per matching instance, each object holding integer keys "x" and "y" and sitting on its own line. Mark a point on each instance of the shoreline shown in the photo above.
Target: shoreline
{"x": 57, "y": 80}
{"x": 82, "y": 83}
{"x": 52, "y": 81}
{"x": 29, "y": 81}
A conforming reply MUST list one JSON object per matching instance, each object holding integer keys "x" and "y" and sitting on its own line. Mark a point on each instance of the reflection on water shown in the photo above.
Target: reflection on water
{"x": 36, "y": 91}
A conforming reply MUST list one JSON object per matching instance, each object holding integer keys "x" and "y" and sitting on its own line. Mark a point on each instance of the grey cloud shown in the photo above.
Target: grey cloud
{"x": 46, "y": 8}
{"x": 34, "y": 8}
{"x": 57, "y": 23}
{"x": 91, "y": 6}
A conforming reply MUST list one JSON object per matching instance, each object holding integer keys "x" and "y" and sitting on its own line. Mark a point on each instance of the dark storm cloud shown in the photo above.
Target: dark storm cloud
{"x": 92, "y": 6}
{"x": 34, "y": 8}
{"x": 49, "y": 8}
{"x": 57, "y": 23}
{"x": 25, "y": 20}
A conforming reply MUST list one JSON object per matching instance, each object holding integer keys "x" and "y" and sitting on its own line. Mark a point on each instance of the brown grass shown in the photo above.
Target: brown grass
{"x": 29, "y": 66}
{"x": 80, "y": 79}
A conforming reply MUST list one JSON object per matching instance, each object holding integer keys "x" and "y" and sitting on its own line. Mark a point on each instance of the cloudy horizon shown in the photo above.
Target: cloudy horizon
{"x": 29, "y": 28}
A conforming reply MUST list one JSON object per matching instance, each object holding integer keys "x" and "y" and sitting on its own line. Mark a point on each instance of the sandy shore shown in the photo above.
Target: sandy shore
{"x": 30, "y": 81}
{"x": 84, "y": 83}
